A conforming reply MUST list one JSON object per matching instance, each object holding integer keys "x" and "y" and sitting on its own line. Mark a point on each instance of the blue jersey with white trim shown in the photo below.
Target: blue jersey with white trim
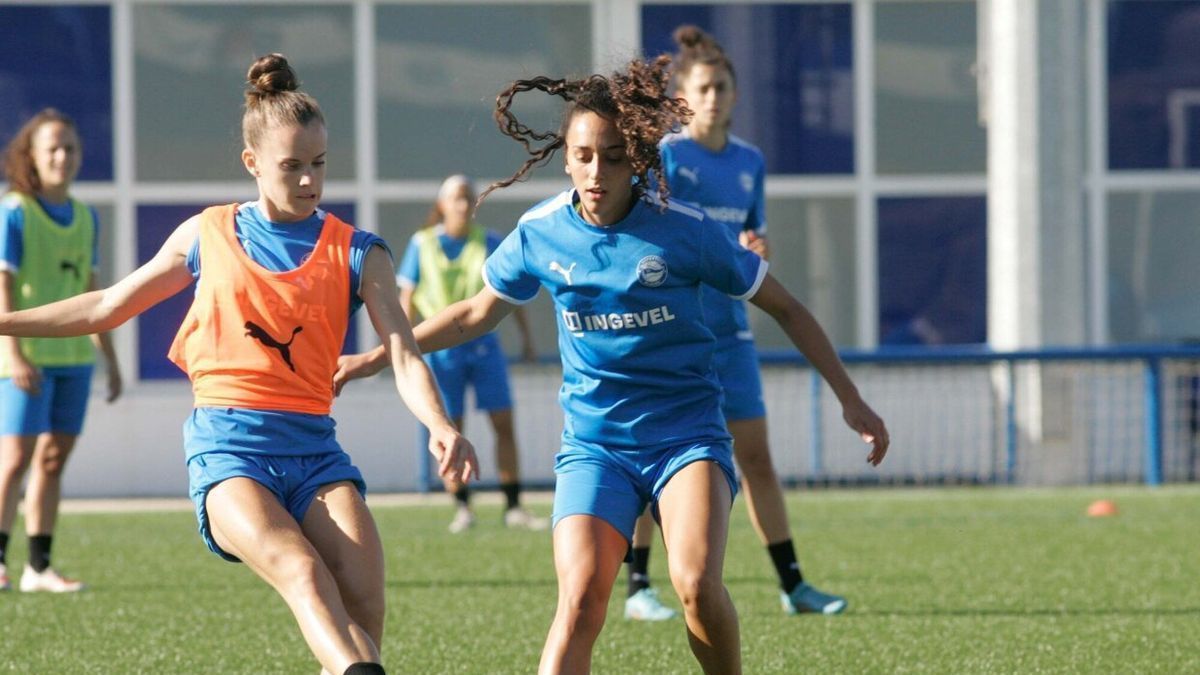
{"x": 728, "y": 187}
{"x": 636, "y": 355}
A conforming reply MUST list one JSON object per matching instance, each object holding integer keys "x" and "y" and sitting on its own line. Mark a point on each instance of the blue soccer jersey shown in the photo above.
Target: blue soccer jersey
{"x": 728, "y": 187}
{"x": 636, "y": 355}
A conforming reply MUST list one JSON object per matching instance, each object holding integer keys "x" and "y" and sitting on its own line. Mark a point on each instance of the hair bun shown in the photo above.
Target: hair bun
{"x": 689, "y": 36}
{"x": 271, "y": 74}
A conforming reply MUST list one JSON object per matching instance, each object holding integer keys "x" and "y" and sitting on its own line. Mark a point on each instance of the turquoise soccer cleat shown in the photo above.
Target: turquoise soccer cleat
{"x": 804, "y": 599}
{"x": 645, "y": 606}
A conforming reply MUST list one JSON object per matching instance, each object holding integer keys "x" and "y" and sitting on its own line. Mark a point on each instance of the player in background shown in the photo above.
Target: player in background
{"x": 278, "y": 280}
{"x": 442, "y": 265}
{"x": 708, "y": 166}
{"x": 642, "y": 421}
{"x": 49, "y": 250}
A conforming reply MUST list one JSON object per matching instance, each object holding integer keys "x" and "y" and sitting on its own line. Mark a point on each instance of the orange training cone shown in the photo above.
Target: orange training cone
{"x": 1102, "y": 508}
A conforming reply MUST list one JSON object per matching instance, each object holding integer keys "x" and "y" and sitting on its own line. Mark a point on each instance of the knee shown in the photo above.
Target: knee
{"x": 13, "y": 465}
{"x": 755, "y": 461}
{"x": 51, "y": 461}
{"x": 698, "y": 588}
{"x": 300, "y": 576}
{"x": 583, "y": 608}
{"x": 502, "y": 423}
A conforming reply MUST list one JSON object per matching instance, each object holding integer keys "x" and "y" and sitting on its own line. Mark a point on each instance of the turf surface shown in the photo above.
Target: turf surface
{"x": 942, "y": 580}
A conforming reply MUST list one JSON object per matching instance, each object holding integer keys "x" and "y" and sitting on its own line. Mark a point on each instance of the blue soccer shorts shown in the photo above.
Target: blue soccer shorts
{"x": 60, "y": 406}
{"x": 615, "y": 486}
{"x": 293, "y": 480}
{"x": 736, "y": 365}
{"x": 479, "y": 363}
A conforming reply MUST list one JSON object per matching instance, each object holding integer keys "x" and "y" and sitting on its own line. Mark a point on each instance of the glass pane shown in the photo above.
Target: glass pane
{"x": 932, "y": 270}
{"x": 813, "y": 256}
{"x": 439, "y": 68}
{"x": 190, "y": 64}
{"x": 107, "y": 272}
{"x": 1153, "y": 85}
{"x": 157, "y": 326}
{"x": 1152, "y": 270}
{"x": 926, "y": 105}
{"x": 795, "y": 76}
{"x": 60, "y": 57}
{"x": 398, "y": 221}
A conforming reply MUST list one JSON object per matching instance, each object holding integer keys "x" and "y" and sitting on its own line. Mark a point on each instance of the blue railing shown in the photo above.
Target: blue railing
{"x": 1151, "y": 358}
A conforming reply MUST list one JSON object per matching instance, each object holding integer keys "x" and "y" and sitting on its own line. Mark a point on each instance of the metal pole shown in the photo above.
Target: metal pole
{"x": 1154, "y": 463}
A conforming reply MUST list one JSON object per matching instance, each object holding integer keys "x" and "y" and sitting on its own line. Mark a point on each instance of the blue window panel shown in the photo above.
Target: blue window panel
{"x": 1153, "y": 84}
{"x": 61, "y": 57}
{"x": 157, "y": 326}
{"x": 795, "y": 76}
{"x": 932, "y": 270}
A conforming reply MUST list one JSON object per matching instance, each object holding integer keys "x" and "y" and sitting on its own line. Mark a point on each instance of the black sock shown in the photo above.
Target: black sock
{"x": 3, "y": 548}
{"x": 512, "y": 494}
{"x": 639, "y": 570}
{"x": 463, "y": 495}
{"x": 39, "y": 551}
{"x": 783, "y": 554}
{"x": 365, "y": 668}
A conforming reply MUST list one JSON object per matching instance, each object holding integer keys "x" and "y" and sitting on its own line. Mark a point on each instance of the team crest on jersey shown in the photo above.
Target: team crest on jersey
{"x": 652, "y": 271}
{"x": 747, "y": 181}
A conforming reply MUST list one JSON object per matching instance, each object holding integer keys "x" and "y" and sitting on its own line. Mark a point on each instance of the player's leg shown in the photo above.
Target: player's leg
{"x": 508, "y": 464}
{"x": 694, "y": 510}
{"x": 15, "y": 455}
{"x": 341, "y": 528}
{"x": 449, "y": 369}
{"x": 69, "y": 390}
{"x": 587, "y": 557}
{"x": 641, "y": 601}
{"x": 488, "y": 375}
{"x": 246, "y": 520}
{"x": 23, "y": 416}
{"x": 596, "y": 502}
{"x": 745, "y": 414}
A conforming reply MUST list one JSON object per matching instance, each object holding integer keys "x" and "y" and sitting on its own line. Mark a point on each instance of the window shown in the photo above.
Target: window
{"x": 60, "y": 56}
{"x": 189, "y": 66}
{"x": 932, "y": 270}
{"x": 795, "y": 76}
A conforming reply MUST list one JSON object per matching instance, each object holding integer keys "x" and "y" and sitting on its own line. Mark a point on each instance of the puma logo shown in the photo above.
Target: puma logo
{"x": 555, "y": 267}
{"x": 68, "y": 265}
{"x": 690, "y": 174}
{"x": 285, "y": 348}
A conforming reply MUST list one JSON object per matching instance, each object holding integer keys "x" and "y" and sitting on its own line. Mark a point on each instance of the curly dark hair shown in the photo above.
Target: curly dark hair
{"x": 635, "y": 99}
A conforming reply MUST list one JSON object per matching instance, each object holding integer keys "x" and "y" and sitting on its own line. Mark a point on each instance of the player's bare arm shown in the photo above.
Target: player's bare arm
{"x": 414, "y": 382}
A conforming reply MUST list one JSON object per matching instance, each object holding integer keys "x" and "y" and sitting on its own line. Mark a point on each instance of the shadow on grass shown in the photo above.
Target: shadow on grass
{"x": 470, "y": 583}
{"x": 1031, "y": 612}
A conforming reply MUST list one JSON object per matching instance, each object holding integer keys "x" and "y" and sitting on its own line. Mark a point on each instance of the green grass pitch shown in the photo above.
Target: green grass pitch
{"x": 939, "y": 581}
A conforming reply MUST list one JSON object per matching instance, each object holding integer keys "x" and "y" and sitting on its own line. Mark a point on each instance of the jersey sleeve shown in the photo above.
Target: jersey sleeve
{"x": 506, "y": 274}
{"x": 409, "y": 272}
{"x": 727, "y": 266}
{"x": 756, "y": 220}
{"x": 361, "y": 243}
{"x": 12, "y": 219}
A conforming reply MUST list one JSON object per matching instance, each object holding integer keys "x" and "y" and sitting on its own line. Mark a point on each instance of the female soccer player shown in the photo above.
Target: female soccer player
{"x": 723, "y": 174}
{"x": 640, "y": 400}
{"x": 48, "y": 251}
{"x": 278, "y": 280}
{"x": 442, "y": 265}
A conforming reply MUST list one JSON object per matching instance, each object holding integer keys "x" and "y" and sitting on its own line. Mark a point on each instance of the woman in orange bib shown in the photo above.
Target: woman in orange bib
{"x": 277, "y": 282}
